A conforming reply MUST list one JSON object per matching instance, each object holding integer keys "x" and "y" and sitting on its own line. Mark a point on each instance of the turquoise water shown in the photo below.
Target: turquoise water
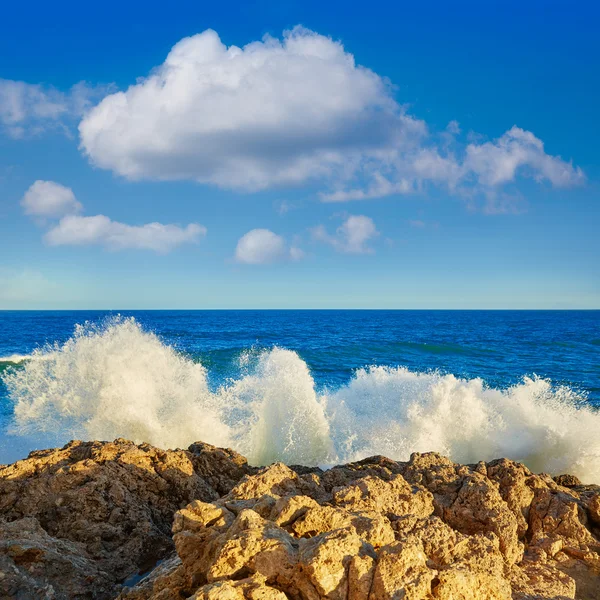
{"x": 315, "y": 386}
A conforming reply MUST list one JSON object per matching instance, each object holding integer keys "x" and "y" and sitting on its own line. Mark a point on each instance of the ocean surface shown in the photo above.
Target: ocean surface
{"x": 309, "y": 387}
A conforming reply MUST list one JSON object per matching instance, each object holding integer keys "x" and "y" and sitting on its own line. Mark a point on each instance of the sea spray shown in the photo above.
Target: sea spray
{"x": 280, "y": 416}
{"x": 393, "y": 411}
{"x": 117, "y": 380}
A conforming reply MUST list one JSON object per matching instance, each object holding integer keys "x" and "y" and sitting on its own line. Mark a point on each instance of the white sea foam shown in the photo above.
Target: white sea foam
{"x": 121, "y": 381}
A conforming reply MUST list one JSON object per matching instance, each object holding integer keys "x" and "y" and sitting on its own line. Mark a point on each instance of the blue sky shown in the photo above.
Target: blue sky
{"x": 384, "y": 155}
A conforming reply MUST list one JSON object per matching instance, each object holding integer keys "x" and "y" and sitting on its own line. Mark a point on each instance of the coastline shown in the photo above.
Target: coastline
{"x": 102, "y": 520}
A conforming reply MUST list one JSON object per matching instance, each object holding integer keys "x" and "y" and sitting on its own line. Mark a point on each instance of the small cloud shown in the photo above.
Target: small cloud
{"x": 74, "y": 230}
{"x": 49, "y": 199}
{"x": 497, "y": 163}
{"x": 379, "y": 187}
{"x": 52, "y": 200}
{"x": 417, "y": 223}
{"x": 262, "y": 246}
{"x": 453, "y": 127}
{"x": 283, "y": 207}
{"x": 351, "y": 237}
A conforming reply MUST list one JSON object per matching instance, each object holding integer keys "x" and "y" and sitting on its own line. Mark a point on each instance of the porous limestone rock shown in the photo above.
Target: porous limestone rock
{"x": 114, "y": 500}
{"x": 36, "y": 565}
{"x": 426, "y": 529}
{"x": 76, "y": 522}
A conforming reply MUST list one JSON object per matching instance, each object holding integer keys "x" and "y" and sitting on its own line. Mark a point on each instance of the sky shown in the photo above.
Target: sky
{"x": 299, "y": 154}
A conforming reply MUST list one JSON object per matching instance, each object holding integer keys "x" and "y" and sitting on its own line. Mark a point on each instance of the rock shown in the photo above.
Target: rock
{"x": 468, "y": 500}
{"x": 36, "y": 565}
{"x": 164, "y": 582}
{"x": 80, "y": 521}
{"x": 221, "y": 468}
{"x": 401, "y": 571}
{"x": 566, "y": 480}
{"x": 392, "y": 498}
{"x": 594, "y": 509}
{"x": 114, "y": 500}
{"x": 378, "y": 529}
{"x": 253, "y": 588}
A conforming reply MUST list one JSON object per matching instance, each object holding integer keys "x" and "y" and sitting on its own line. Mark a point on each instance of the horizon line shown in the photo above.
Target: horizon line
{"x": 212, "y": 309}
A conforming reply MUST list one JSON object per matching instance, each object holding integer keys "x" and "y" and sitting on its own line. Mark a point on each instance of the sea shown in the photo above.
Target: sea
{"x": 313, "y": 387}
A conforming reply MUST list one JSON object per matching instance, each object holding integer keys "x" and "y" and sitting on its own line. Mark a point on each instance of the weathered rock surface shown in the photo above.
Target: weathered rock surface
{"x": 384, "y": 530}
{"x": 76, "y": 521}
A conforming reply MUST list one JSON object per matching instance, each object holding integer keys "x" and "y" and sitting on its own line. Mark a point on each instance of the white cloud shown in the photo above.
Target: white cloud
{"x": 273, "y": 112}
{"x": 30, "y": 109}
{"x": 287, "y": 111}
{"x": 378, "y": 187}
{"x": 495, "y": 163}
{"x": 351, "y": 237}
{"x": 49, "y": 199}
{"x": 74, "y": 230}
{"x": 262, "y": 246}
{"x": 278, "y": 112}
{"x": 481, "y": 168}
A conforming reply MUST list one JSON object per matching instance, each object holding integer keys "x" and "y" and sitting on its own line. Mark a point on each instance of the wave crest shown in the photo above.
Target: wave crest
{"x": 15, "y": 359}
{"x": 118, "y": 380}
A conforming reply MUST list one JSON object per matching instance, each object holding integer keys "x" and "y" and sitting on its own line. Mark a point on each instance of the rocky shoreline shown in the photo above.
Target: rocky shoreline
{"x": 108, "y": 520}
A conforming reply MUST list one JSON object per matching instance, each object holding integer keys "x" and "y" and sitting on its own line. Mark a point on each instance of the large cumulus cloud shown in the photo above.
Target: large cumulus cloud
{"x": 273, "y": 112}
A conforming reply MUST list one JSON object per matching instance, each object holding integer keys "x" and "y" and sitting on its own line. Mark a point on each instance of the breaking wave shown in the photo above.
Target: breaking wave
{"x": 117, "y": 380}
{"x": 15, "y": 359}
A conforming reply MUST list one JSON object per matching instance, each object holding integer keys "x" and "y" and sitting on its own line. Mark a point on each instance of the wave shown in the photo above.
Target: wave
{"x": 117, "y": 380}
{"x": 15, "y": 359}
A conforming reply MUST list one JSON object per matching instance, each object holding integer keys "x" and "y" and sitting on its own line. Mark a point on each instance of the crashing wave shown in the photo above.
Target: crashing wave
{"x": 117, "y": 380}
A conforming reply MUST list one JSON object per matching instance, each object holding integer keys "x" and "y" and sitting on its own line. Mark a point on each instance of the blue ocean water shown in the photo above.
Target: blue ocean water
{"x": 362, "y": 381}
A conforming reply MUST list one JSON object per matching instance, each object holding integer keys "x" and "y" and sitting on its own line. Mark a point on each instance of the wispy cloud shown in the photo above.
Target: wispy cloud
{"x": 478, "y": 169}
{"x": 28, "y": 109}
{"x": 284, "y": 206}
{"x": 417, "y": 223}
{"x": 351, "y": 237}
{"x": 421, "y": 224}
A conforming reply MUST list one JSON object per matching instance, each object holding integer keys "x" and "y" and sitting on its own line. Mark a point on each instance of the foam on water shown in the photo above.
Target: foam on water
{"x": 118, "y": 380}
